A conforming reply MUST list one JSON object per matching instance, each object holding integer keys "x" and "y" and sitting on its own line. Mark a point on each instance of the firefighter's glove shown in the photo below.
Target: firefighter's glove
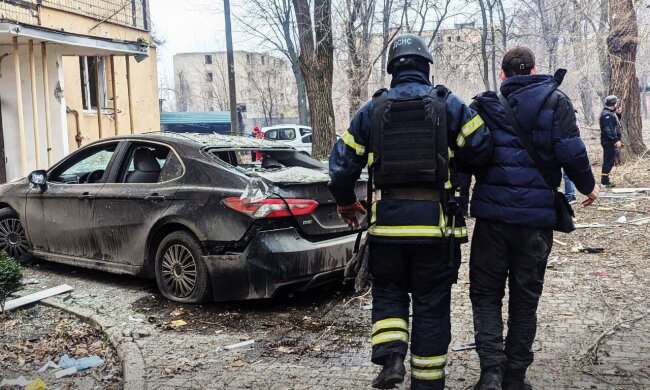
{"x": 349, "y": 214}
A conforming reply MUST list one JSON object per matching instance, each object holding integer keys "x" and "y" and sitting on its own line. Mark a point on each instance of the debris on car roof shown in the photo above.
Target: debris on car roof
{"x": 292, "y": 175}
{"x": 229, "y": 141}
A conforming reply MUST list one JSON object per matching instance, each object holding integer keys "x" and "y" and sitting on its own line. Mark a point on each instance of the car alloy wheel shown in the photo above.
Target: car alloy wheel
{"x": 13, "y": 239}
{"x": 179, "y": 271}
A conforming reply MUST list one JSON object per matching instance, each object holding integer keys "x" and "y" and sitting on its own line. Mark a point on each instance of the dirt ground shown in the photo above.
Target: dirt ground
{"x": 32, "y": 336}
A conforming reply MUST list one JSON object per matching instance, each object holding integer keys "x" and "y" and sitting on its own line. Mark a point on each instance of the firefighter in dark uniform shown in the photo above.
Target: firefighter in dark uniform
{"x": 412, "y": 137}
{"x": 610, "y": 137}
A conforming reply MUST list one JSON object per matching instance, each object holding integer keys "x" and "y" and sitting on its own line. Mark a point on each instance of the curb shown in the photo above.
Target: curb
{"x": 133, "y": 367}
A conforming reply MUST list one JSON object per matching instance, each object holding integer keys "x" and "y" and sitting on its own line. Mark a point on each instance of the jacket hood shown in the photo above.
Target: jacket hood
{"x": 527, "y": 94}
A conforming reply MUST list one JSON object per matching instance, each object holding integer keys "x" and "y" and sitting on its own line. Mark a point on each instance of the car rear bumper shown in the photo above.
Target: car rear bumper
{"x": 276, "y": 260}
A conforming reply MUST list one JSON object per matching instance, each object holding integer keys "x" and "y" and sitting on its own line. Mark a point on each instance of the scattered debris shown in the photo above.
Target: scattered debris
{"x": 601, "y": 274}
{"x": 30, "y": 281}
{"x": 367, "y": 307}
{"x": 591, "y": 250}
{"x": 67, "y": 372}
{"x": 239, "y": 345}
{"x": 49, "y": 364}
{"x": 623, "y": 219}
{"x": 37, "y": 296}
{"x": 463, "y": 347}
{"x": 553, "y": 261}
{"x": 629, "y": 190}
{"x": 589, "y": 225}
{"x": 136, "y": 319}
{"x": 605, "y": 209}
{"x": 178, "y": 323}
{"x": 640, "y": 221}
{"x": 284, "y": 350}
{"x": 179, "y": 311}
{"x": 80, "y": 364}
{"x": 238, "y": 364}
{"x": 36, "y": 384}
{"x": 20, "y": 381}
{"x": 555, "y": 240}
{"x": 567, "y": 314}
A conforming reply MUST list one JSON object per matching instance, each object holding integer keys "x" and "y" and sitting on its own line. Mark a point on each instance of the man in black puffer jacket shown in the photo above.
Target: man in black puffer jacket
{"x": 515, "y": 211}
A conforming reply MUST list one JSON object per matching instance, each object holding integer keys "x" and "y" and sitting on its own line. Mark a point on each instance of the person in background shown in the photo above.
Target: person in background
{"x": 257, "y": 133}
{"x": 569, "y": 189}
{"x": 610, "y": 137}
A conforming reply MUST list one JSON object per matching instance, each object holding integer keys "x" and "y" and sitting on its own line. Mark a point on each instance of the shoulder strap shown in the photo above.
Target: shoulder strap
{"x": 525, "y": 140}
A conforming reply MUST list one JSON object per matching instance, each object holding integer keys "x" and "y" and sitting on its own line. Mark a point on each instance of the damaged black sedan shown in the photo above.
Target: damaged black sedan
{"x": 195, "y": 212}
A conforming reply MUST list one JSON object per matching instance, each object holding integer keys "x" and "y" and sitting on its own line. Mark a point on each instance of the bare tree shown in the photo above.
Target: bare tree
{"x": 484, "y": 43}
{"x": 359, "y": 19}
{"x": 317, "y": 64}
{"x": 622, "y": 44}
{"x": 273, "y": 22}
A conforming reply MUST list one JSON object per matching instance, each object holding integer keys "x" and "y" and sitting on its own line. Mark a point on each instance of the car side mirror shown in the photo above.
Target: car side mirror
{"x": 38, "y": 178}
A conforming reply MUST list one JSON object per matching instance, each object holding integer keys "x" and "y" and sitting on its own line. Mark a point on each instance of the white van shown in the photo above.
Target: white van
{"x": 297, "y": 136}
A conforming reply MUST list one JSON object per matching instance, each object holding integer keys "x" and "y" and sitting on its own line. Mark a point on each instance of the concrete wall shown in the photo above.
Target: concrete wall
{"x": 9, "y": 105}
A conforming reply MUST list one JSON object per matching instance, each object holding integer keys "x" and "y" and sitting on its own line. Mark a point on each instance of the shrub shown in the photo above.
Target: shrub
{"x": 11, "y": 276}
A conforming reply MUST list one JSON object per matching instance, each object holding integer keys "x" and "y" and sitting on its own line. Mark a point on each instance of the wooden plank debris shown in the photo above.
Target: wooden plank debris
{"x": 37, "y": 296}
{"x": 629, "y": 190}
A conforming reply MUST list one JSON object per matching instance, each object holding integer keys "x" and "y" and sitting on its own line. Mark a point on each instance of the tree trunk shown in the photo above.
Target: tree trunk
{"x": 493, "y": 47}
{"x": 317, "y": 64}
{"x": 603, "y": 54}
{"x": 484, "y": 55}
{"x": 385, "y": 30}
{"x": 622, "y": 43}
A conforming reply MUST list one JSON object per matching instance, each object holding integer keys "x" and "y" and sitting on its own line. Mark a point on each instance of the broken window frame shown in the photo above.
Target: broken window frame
{"x": 87, "y": 75}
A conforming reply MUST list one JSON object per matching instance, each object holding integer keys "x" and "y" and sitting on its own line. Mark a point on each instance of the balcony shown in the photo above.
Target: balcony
{"x": 133, "y": 14}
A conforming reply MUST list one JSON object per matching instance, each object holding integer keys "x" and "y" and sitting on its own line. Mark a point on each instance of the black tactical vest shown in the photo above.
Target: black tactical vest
{"x": 409, "y": 140}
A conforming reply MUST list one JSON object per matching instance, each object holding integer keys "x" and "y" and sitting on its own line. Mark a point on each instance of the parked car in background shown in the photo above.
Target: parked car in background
{"x": 295, "y": 135}
{"x": 190, "y": 210}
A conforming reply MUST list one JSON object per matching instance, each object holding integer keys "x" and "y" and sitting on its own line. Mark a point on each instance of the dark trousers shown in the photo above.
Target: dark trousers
{"x": 518, "y": 254}
{"x": 426, "y": 272}
{"x": 609, "y": 159}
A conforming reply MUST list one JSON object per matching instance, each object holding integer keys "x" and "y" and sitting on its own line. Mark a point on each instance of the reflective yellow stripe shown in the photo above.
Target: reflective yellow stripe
{"x": 468, "y": 129}
{"x": 427, "y": 375}
{"x": 451, "y": 153}
{"x": 406, "y": 231}
{"x": 390, "y": 336}
{"x": 390, "y": 323}
{"x": 373, "y": 218}
{"x": 349, "y": 140}
{"x": 429, "y": 361}
{"x": 604, "y": 174}
{"x": 371, "y": 158}
{"x": 458, "y": 232}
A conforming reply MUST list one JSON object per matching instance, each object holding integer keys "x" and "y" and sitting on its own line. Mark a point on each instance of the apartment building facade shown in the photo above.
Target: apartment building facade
{"x": 71, "y": 72}
{"x": 266, "y": 89}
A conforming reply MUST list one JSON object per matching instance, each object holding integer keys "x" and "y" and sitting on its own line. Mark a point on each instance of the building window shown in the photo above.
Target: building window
{"x": 88, "y": 66}
{"x": 211, "y": 108}
{"x": 263, "y": 60}
{"x": 457, "y": 38}
{"x": 210, "y": 76}
{"x": 208, "y": 59}
{"x": 249, "y": 59}
{"x": 449, "y": 39}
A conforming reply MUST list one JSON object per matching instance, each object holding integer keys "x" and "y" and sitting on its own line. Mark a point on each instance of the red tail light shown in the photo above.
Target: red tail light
{"x": 271, "y": 208}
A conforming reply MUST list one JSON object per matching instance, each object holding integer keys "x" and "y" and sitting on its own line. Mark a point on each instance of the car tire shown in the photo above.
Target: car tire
{"x": 13, "y": 238}
{"x": 181, "y": 273}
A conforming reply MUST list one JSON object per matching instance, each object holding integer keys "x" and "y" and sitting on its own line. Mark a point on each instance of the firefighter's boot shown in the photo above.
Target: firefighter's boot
{"x": 491, "y": 379}
{"x": 392, "y": 373}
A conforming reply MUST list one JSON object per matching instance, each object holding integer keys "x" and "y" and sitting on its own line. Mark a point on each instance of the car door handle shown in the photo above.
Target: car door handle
{"x": 85, "y": 196}
{"x": 155, "y": 198}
